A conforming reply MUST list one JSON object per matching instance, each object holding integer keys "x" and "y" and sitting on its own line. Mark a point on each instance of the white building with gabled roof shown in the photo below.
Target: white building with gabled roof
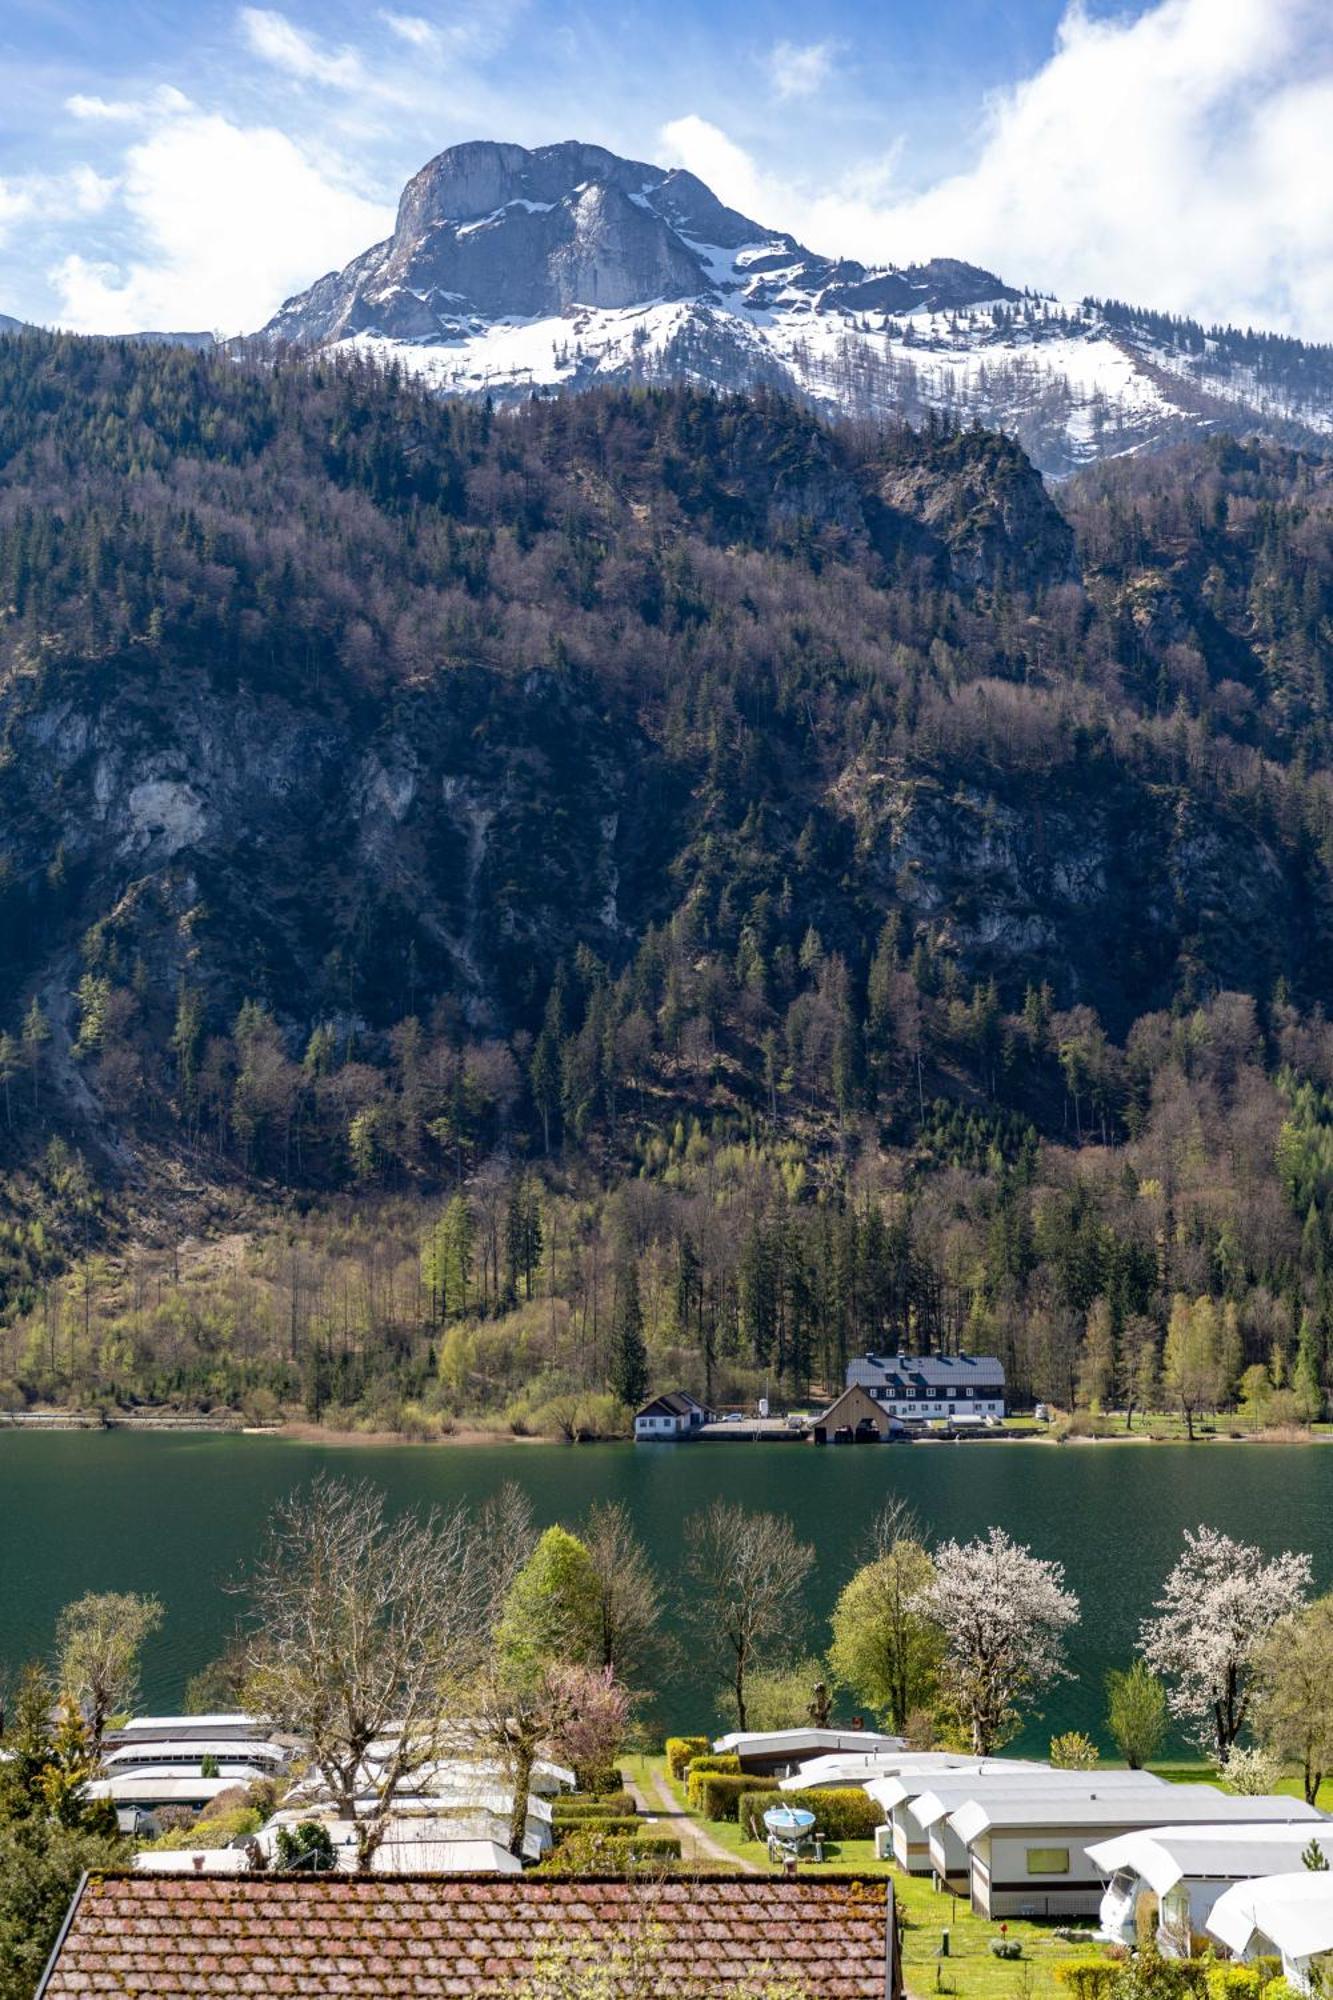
{"x": 921, "y": 1388}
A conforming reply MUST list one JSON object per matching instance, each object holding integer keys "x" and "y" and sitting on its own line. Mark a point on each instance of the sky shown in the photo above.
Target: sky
{"x": 188, "y": 164}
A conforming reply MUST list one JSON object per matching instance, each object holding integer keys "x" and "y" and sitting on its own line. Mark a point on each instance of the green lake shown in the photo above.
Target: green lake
{"x": 180, "y": 1516}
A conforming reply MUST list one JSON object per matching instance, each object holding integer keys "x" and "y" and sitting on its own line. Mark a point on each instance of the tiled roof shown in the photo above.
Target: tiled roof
{"x": 414, "y": 1938}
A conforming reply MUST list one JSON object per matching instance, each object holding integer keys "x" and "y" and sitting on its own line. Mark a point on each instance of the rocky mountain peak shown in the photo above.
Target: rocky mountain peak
{"x": 512, "y": 268}
{"x": 467, "y": 182}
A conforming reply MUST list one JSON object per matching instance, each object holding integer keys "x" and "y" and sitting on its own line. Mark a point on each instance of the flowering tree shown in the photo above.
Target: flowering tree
{"x": 595, "y": 1712}
{"x": 1002, "y": 1614}
{"x": 1217, "y": 1608}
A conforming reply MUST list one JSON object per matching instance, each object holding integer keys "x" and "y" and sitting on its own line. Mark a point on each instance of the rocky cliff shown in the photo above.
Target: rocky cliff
{"x": 510, "y": 270}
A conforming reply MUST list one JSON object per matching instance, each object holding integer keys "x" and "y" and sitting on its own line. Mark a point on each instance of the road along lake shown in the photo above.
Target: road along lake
{"x": 179, "y": 1516}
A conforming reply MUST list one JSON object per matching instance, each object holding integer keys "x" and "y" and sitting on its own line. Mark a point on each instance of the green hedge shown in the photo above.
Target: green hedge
{"x": 680, "y": 1750}
{"x": 605, "y": 1855}
{"x": 610, "y": 1827}
{"x": 597, "y": 1780}
{"x": 726, "y": 1762}
{"x": 643, "y": 1847}
{"x": 615, "y": 1803}
{"x": 841, "y": 1813}
{"x": 716, "y": 1794}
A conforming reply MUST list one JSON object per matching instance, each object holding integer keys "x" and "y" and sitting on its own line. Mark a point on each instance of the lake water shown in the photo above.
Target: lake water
{"x": 178, "y": 1516}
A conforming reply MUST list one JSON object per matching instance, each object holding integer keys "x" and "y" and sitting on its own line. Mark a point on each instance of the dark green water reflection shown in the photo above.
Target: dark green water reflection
{"x": 177, "y": 1516}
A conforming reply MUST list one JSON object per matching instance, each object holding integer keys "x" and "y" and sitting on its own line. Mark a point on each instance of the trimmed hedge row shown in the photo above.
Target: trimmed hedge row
{"x": 682, "y": 1750}
{"x": 643, "y": 1847}
{"x": 842, "y": 1813}
{"x": 621, "y": 1851}
{"x": 717, "y": 1794}
{"x": 612, "y": 1826}
{"x": 614, "y": 1803}
{"x": 723, "y": 1761}
{"x": 597, "y": 1780}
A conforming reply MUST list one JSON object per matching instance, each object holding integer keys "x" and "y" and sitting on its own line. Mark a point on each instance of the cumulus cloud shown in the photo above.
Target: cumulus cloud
{"x": 1181, "y": 159}
{"x": 706, "y": 150}
{"x": 227, "y": 220}
{"x": 800, "y": 69}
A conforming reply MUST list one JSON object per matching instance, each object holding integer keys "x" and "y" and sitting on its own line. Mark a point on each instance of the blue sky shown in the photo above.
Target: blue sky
{"x": 192, "y": 163}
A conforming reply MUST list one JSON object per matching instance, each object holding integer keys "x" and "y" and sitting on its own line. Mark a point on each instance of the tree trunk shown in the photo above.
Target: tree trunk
{"x": 524, "y": 1759}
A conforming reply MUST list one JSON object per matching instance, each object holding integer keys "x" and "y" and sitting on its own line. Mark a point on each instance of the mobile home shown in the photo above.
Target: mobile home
{"x": 897, "y": 1794}
{"x": 1186, "y": 1868}
{"x": 1290, "y": 1915}
{"x": 849, "y": 1768}
{"x": 949, "y": 1861}
{"x": 777, "y": 1753}
{"x": 1028, "y": 1853}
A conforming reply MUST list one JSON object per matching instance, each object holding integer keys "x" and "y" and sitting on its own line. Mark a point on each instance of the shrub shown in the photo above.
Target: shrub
{"x": 612, "y": 1803}
{"x": 699, "y": 1774}
{"x": 1073, "y": 1752}
{"x": 716, "y": 1794}
{"x": 1282, "y": 1989}
{"x": 590, "y": 1852}
{"x": 613, "y": 1824}
{"x": 1087, "y": 1978}
{"x": 681, "y": 1750}
{"x": 643, "y": 1847}
{"x": 724, "y": 1761}
{"x": 1250, "y": 1770}
{"x": 1233, "y": 1982}
{"x": 841, "y": 1813}
{"x": 218, "y": 1831}
{"x": 309, "y": 1846}
{"x": 600, "y": 1780}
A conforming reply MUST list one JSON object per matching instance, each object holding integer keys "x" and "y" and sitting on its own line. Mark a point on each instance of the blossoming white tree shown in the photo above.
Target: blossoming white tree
{"x": 1002, "y": 1613}
{"x": 1217, "y": 1607}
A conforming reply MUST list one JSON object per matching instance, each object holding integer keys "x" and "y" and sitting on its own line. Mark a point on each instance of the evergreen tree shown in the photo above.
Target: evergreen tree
{"x": 629, "y": 1352}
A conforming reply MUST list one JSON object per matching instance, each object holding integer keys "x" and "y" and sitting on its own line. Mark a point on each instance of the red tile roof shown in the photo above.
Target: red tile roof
{"x": 415, "y": 1938}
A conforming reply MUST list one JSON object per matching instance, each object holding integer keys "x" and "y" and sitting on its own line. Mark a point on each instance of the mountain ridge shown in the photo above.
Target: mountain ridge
{"x": 512, "y": 270}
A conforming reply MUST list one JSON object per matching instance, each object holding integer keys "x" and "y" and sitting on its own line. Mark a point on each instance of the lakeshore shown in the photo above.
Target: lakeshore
{"x": 471, "y": 1435}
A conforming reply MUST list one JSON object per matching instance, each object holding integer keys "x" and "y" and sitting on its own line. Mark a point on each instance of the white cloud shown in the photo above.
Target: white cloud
{"x": 1181, "y": 160}
{"x": 800, "y": 69}
{"x": 411, "y": 28}
{"x": 38, "y": 198}
{"x": 125, "y": 110}
{"x": 229, "y": 222}
{"x": 706, "y": 150}
{"x": 277, "y": 40}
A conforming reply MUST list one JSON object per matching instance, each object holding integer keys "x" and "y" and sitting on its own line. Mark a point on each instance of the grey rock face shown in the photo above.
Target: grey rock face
{"x": 490, "y": 231}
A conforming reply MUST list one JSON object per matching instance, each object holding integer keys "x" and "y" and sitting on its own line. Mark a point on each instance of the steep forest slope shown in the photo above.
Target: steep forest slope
{"x": 703, "y": 804}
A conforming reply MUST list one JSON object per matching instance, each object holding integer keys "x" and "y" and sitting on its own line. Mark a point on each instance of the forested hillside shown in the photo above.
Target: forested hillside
{"x": 647, "y": 868}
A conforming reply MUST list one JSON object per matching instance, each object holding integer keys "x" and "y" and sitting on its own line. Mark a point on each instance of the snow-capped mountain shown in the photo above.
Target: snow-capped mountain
{"x": 511, "y": 270}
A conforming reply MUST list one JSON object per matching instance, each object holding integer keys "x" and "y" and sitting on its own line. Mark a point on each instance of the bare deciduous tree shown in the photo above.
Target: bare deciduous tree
{"x": 364, "y": 1634}
{"x": 745, "y": 1578}
{"x": 629, "y": 1603}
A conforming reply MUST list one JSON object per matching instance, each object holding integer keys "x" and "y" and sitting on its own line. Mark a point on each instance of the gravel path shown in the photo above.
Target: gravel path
{"x": 652, "y": 1798}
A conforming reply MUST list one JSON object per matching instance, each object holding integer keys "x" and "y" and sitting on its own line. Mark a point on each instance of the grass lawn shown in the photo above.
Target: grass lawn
{"x": 970, "y": 1971}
